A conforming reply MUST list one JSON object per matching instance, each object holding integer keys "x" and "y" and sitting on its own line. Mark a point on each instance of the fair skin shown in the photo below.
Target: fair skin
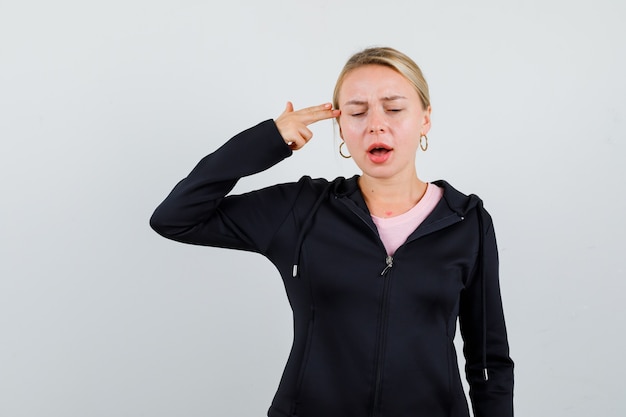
{"x": 293, "y": 125}
{"x": 381, "y": 121}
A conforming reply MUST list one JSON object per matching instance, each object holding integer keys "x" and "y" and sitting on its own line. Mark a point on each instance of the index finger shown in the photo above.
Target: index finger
{"x": 314, "y": 114}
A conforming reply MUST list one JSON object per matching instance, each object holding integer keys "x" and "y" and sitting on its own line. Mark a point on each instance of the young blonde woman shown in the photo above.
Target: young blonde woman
{"x": 377, "y": 267}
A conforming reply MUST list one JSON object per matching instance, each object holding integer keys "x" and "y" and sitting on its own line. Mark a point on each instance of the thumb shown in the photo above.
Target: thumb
{"x": 288, "y": 109}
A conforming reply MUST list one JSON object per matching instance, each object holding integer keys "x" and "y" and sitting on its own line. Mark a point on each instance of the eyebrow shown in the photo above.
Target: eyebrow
{"x": 361, "y": 102}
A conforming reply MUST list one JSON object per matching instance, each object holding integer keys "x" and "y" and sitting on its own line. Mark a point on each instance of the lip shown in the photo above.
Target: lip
{"x": 379, "y": 145}
{"x": 379, "y": 157}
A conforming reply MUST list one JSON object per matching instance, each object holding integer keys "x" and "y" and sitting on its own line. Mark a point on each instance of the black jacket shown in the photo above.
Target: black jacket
{"x": 373, "y": 335}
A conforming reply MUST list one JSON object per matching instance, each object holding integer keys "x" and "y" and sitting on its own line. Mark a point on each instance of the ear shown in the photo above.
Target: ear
{"x": 340, "y": 131}
{"x": 425, "y": 128}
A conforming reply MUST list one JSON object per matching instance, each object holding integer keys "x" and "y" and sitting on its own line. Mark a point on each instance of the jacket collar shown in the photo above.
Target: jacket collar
{"x": 453, "y": 201}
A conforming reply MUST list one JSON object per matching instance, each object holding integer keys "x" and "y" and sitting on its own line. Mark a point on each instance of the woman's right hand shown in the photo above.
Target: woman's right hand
{"x": 292, "y": 125}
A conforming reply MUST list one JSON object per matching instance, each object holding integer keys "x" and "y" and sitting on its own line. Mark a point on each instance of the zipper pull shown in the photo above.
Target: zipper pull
{"x": 389, "y": 262}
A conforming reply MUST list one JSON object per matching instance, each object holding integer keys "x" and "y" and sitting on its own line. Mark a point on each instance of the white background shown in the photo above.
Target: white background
{"x": 104, "y": 106}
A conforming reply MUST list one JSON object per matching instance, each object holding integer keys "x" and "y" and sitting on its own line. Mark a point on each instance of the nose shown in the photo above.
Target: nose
{"x": 376, "y": 122}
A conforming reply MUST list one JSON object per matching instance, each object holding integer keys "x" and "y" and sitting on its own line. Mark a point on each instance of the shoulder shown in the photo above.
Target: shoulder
{"x": 461, "y": 203}
{"x": 457, "y": 200}
{"x": 337, "y": 186}
{"x": 311, "y": 186}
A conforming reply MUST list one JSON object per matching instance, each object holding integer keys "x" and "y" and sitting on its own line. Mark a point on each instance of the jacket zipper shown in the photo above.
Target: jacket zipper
{"x": 382, "y": 328}
{"x": 382, "y": 336}
{"x": 389, "y": 262}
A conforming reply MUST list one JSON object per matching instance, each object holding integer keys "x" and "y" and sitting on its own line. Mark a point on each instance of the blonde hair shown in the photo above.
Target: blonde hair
{"x": 390, "y": 58}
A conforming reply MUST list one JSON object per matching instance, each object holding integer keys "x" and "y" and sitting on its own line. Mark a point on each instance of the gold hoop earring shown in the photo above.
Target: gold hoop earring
{"x": 341, "y": 151}
{"x": 424, "y": 142}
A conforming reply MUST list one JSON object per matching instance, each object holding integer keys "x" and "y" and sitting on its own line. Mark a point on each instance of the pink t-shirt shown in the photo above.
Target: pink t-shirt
{"x": 395, "y": 230}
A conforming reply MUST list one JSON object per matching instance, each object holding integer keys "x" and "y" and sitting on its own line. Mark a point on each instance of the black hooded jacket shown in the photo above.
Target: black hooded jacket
{"x": 373, "y": 335}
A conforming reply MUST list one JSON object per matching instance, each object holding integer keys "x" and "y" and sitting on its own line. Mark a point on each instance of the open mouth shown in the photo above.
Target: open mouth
{"x": 379, "y": 149}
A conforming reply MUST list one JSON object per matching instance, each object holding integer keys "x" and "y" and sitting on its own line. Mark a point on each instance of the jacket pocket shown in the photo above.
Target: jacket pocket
{"x": 303, "y": 365}
{"x": 457, "y": 401}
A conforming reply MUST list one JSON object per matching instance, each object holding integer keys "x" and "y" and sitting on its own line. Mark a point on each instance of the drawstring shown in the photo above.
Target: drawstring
{"x": 305, "y": 227}
{"x": 483, "y": 288}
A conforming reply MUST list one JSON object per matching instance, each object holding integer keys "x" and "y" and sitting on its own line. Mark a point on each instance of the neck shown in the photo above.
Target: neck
{"x": 388, "y": 197}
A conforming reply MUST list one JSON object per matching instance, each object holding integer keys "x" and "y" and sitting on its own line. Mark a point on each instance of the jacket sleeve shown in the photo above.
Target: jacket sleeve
{"x": 489, "y": 368}
{"x": 197, "y": 210}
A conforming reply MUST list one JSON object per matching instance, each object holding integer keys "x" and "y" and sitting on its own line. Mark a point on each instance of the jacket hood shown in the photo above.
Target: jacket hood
{"x": 457, "y": 201}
